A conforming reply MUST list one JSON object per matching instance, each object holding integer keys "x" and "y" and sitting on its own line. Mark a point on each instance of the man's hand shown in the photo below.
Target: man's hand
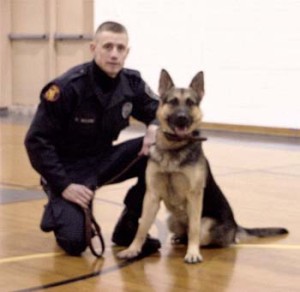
{"x": 149, "y": 139}
{"x": 78, "y": 194}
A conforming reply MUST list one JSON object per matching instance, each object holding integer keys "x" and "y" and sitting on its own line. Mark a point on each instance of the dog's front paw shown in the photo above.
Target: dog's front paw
{"x": 128, "y": 253}
{"x": 193, "y": 258}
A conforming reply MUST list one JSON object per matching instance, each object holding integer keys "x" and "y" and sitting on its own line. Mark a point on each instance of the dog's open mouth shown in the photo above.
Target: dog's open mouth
{"x": 181, "y": 131}
{"x": 180, "y": 123}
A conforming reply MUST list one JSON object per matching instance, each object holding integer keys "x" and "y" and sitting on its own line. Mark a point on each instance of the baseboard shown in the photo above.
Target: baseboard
{"x": 261, "y": 130}
{"x": 273, "y": 131}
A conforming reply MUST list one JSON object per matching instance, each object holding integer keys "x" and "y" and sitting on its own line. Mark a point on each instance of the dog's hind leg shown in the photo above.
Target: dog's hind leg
{"x": 205, "y": 232}
{"x": 211, "y": 233}
{"x": 219, "y": 234}
{"x": 178, "y": 225}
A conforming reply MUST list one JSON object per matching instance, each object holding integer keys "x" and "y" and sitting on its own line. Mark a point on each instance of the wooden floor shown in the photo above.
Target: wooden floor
{"x": 260, "y": 177}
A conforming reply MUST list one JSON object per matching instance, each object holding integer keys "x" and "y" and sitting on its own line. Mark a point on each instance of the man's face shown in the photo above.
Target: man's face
{"x": 110, "y": 51}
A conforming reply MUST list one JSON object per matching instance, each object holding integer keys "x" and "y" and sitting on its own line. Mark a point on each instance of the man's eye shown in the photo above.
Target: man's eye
{"x": 121, "y": 48}
{"x": 108, "y": 46}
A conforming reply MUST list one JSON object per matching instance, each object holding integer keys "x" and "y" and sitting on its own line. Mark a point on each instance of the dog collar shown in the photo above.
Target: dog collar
{"x": 194, "y": 136}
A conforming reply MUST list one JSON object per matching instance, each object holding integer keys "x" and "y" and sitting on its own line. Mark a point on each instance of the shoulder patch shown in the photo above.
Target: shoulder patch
{"x": 52, "y": 93}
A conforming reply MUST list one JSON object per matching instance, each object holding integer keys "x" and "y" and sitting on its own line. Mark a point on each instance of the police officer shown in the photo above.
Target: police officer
{"x": 70, "y": 140}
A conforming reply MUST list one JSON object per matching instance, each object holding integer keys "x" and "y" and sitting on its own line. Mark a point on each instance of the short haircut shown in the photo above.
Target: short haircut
{"x": 111, "y": 26}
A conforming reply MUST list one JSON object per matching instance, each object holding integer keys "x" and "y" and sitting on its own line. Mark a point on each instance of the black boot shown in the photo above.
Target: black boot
{"x": 126, "y": 229}
{"x": 182, "y": 239}
{"x": 48, "y": 222}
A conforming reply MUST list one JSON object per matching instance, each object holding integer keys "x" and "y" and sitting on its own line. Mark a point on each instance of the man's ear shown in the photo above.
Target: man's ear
{"x": 197, "y": 84}
{"x": 92, "y": 47}
{"x": 127, "y": 53}
{"x": 165, "y": 82}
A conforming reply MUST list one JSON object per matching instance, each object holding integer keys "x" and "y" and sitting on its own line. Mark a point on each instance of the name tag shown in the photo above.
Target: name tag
{"x": 85, "y": 120}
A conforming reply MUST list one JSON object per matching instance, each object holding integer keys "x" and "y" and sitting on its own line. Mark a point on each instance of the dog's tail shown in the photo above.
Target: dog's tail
{"x": 245, "y": 234}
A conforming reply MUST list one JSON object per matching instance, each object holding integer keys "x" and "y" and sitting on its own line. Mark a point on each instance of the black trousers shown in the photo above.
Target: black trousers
{"x": 66, "y": 219}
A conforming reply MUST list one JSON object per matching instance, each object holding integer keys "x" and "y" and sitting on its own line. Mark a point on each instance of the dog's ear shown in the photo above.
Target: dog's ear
{"x": 197, "y": 84}
{"x": 165, "y": 82}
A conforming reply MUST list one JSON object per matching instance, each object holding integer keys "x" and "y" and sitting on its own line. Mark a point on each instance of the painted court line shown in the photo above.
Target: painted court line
{"x": 239, "y": 246}
{"x": 268, "y": 246}
{"x": 30, "y": 257}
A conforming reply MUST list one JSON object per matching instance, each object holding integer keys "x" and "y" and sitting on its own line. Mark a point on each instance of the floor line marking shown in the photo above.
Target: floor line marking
{"x": 268, "y": 246}
{"x": 29, "y": 257}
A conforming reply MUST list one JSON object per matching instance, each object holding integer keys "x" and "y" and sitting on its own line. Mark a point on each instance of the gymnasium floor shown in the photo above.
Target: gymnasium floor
{"x": 260, "y": 176}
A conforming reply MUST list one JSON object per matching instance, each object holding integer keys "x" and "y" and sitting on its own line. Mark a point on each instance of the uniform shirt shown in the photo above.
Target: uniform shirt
{"x": 80, "y": 114}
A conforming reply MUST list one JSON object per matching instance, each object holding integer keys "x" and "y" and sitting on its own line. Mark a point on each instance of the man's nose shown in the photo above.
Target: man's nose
{"x": 114, "y": 52}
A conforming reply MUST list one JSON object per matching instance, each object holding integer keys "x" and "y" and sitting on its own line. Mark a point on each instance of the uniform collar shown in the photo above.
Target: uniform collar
{"x": 105, "y": 82}
{"x": 117, "y": 90}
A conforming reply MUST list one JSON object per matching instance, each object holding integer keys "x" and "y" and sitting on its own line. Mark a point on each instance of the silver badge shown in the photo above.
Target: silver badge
{"x": 126, "y": 110}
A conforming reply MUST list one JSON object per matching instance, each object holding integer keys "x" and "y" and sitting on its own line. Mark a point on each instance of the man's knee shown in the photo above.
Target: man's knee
{"x": 72, "y": 245}
{"x": 69, "y": 228}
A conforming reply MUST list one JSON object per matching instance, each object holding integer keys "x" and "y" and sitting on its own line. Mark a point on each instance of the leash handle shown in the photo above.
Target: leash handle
{"x": 92, "y": 229}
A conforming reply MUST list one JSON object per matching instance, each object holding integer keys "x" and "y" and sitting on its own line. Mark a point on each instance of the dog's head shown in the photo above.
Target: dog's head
{"x": 179, "y": 111}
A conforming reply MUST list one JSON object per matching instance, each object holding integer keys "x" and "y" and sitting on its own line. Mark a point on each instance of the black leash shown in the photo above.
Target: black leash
{"x": 92, "y": 228}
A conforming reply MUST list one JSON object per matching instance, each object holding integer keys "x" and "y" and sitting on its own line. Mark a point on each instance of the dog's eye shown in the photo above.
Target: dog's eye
{"x": 190, "y": 102}
{"x": 173, "y": 101}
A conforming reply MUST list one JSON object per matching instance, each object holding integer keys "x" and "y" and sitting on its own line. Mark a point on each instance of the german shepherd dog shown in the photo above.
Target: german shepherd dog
{"x": 178, "y": 172}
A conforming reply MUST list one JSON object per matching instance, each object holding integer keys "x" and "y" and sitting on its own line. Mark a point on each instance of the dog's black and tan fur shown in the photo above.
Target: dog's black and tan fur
{"x": 178, "y": 172}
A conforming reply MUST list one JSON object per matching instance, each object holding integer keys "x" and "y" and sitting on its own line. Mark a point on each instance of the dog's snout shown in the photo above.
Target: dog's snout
{"x": 181, "y": 120}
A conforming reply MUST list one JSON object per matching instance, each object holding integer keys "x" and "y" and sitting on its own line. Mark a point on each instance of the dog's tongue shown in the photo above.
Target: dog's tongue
{"x": 181, "y": 132}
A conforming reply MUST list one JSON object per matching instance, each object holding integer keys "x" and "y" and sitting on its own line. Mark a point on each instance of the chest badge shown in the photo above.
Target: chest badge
{"x": 126, "y": 109}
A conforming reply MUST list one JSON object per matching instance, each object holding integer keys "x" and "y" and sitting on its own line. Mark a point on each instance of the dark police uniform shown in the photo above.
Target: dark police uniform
{"x": 71, "y": 139}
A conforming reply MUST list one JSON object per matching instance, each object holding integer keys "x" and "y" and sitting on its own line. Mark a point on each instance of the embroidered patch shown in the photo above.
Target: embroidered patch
{"x": 126, "y": 110}
{"x": 52, "y": 93}
{"x": 150, "y": 92}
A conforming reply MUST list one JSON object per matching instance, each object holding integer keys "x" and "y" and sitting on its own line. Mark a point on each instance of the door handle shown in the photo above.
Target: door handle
{"x": 72, "y": 37}
{"x": 27, "y": 36}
